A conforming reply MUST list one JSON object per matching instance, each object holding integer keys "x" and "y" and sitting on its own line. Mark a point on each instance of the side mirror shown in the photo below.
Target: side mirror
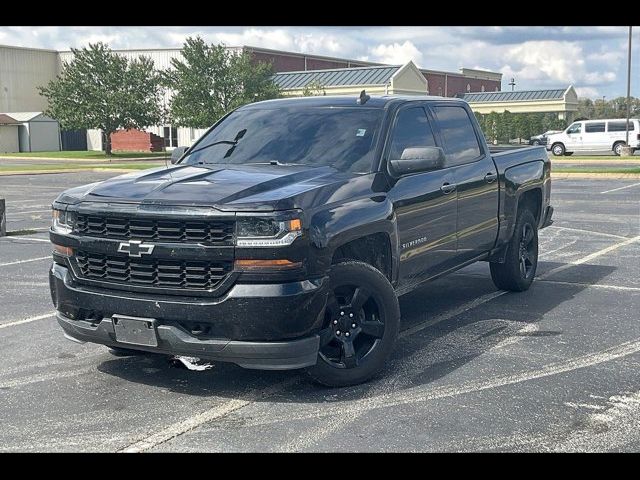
{"x": 416, "y": 160}
{"x": 177, "y": 154}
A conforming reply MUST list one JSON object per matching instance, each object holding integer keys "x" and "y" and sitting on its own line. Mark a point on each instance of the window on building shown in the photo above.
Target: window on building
{"x": 440, "y": 91}
{"x": 170, "y": 135}
{"x": 497, "y": 89}
{"x": 620, "y": 127}
{"x": 412, "y": 130}
{"x": 594, "y": 127}
{"x": 460, "y": 142}
{"x": 482, "y": 88}
{"x": 468, "y": 87}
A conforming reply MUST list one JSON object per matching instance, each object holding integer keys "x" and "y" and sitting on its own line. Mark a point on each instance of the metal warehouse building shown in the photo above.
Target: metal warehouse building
{"x": 22, "y": 70}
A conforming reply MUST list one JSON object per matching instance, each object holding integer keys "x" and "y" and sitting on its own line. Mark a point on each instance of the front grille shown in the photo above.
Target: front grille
{"x": 152, "y": 272}
{"x": 216, "y": 232}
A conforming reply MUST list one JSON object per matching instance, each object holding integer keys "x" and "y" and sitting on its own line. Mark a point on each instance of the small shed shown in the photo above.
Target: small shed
{"x": 379, "y": 80}
{"x": 36, "y": 132}
{"x": 8, "y": 134}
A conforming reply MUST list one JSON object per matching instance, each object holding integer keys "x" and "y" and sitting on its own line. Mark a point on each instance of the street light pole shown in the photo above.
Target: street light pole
{"x": 628, "y": 86}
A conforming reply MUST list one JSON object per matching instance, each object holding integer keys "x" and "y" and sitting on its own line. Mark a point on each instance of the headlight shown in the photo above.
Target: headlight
{"x": 267, "y": 232}
{"x": 61, "y": 221}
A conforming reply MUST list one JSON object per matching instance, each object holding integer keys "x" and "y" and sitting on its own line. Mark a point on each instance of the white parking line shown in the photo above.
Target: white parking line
{"x": 585, "y": 231}
{"x": 20, "y": 212}
{"x": 27, "y": 320}
{"x": 25, "y": 261}
{"x": 621, "y": 188}
{"x": 190, "y": 423}
{"x": 594, "y": 285}
{"x": 590, "y": 257}
{"x": 46, "y": 240}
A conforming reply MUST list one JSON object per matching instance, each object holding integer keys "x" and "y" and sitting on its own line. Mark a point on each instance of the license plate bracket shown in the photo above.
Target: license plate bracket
{"x": 135, "y": 330}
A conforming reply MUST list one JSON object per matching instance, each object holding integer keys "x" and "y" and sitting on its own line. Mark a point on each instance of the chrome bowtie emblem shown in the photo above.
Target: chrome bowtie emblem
{"x": 135, "y": 248}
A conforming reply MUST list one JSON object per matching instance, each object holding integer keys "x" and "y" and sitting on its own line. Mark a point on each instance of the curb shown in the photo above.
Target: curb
{"x": 71, "y": 170}
{"x": 597, "y": 176}
{"x": 80, "y": 160}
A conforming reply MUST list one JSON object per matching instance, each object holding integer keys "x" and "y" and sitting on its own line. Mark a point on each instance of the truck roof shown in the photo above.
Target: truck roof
{"x": 376, "y": 101}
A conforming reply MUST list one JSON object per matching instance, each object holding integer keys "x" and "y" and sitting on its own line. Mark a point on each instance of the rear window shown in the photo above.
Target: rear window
{"x": 459, "y": 137}
{"x": 594, "y": 127}
{"x": 620, "y": 126}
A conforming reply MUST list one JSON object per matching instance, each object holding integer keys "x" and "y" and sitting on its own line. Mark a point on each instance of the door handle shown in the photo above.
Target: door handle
{"x": 447, "y": 188}
{"x": 490, "y": 177}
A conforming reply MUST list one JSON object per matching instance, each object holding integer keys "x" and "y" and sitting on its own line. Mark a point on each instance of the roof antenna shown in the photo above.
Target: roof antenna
{"x": 364, "y": 98}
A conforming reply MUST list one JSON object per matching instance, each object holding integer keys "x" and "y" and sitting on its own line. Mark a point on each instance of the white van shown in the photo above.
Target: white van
{"x": 607, "y": 134}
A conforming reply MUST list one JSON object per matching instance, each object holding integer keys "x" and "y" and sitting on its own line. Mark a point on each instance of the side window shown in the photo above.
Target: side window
{"x": 575, "y": 128}
{"x": 594, "y": 127}
{"x": 412, "y": 130}
{"x": 620, "y": 126}
{"x": 459, "y": 137}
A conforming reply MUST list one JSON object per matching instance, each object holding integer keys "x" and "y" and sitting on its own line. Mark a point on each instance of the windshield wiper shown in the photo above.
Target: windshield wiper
{"x": 233, "y": 142}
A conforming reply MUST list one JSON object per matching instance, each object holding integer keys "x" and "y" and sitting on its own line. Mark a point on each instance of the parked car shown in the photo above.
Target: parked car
{"x": 542, "y": 138}
{"x": 284, "y": 236}
{"x": 593, "y": 135}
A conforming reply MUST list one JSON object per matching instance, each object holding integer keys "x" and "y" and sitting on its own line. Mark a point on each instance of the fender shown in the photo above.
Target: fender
{"x": 336, "y": 225}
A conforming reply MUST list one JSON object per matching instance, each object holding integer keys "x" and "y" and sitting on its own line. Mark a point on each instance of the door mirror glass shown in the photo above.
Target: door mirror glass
{"x": 416, "y": 160}
{"x": 177, "y": 153}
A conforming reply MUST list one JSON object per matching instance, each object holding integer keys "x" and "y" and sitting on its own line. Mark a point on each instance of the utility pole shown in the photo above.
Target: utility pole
{"x": 628, "y": 86}
{"x": 512, "y": 83}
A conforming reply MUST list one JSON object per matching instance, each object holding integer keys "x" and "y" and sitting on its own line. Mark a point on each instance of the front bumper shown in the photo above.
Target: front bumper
{"x": 266, "y": 326}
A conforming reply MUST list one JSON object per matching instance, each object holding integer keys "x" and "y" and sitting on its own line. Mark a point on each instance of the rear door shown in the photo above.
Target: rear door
{"x": 476, "y": 178}
{"x": 424, "y": 203}
{"x": 595, "y": 137}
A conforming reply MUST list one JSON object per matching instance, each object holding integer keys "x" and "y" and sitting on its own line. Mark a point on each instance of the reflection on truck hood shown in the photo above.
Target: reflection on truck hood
{"x": 227, "y": 187}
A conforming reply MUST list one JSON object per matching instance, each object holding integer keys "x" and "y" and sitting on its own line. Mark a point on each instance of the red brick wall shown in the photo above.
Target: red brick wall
{"x": 136, "y": 141}
{"x": 457, "y": 84}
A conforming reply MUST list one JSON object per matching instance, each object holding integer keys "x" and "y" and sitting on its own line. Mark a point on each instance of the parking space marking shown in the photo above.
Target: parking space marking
{"x": 44, "y": 377}
{"x": 25, "y": 261}
{"x": 27, "y": 320}
{"x": 589, "y": 257}
{"x": 418, "y": 394}
{"x": 594, "y": 285}
{"x": 34, "y": 239}
{"x": 21, "y": 212}
{"x": 195, "y": 421}
{"x": 585, "y": 231}
{"x": 621, "y": 188}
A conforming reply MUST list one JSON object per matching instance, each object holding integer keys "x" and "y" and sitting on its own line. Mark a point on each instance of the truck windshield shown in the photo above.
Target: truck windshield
{"x": 339, "y": 137}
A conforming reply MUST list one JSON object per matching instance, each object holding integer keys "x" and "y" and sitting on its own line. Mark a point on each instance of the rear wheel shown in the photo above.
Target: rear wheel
{"x": 536, "y": 143}
{"x": 521, "y": 261}
{"x": 617, "y": 148}
{"x": 360, "y": 328}
{"x": 557, "y": 149}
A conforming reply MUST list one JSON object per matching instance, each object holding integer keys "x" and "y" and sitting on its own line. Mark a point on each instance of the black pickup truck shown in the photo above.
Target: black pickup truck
{"x": 282, "y": 238}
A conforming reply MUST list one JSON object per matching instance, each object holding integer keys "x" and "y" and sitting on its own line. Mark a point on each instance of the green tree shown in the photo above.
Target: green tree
{"x": 313, "y": 89}
{"x": 103, "y": 90}
{"x": 213, "y": 80}
{"x": 491, "y": 124}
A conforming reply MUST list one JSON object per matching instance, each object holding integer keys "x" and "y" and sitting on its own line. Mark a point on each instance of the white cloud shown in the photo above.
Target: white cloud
{"x": 397, "y": 53}
{"x": 588, "y": 92}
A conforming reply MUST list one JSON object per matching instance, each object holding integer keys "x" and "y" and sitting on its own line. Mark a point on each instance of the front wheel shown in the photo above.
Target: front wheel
{"x": 361, "y": 323}
{"x": 558, "y": 149}
{"x": 521, "y": 261}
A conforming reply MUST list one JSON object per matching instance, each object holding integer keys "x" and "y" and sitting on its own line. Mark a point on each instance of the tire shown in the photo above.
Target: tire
{"x": 558, "y": 149}
{"x": 351, "y": 355}
{"x": 536, "y": 143}
{"x": 617, "y": 148}
{"x": 519, "y": 269}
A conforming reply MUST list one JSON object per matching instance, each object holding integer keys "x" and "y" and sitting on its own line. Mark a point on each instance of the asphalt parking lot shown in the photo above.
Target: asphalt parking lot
{"x": 475, "y": 369}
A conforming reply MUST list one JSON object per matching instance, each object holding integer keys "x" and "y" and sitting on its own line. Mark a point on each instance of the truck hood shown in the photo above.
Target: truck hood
{"x": 228, "y": 187}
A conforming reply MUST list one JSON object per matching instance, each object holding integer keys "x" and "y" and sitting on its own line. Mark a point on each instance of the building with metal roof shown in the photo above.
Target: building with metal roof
{"x": 564, "y": 102}
{"x": 398, "y": 79}
{"x": 32, "y": 132}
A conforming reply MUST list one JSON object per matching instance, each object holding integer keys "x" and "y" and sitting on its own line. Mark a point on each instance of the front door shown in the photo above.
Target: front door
{"x": 574, "y": 138}
{"x": 425, "y": 204}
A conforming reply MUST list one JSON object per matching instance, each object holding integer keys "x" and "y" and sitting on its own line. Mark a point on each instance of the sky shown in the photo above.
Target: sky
{"x": 592, "y": 59}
